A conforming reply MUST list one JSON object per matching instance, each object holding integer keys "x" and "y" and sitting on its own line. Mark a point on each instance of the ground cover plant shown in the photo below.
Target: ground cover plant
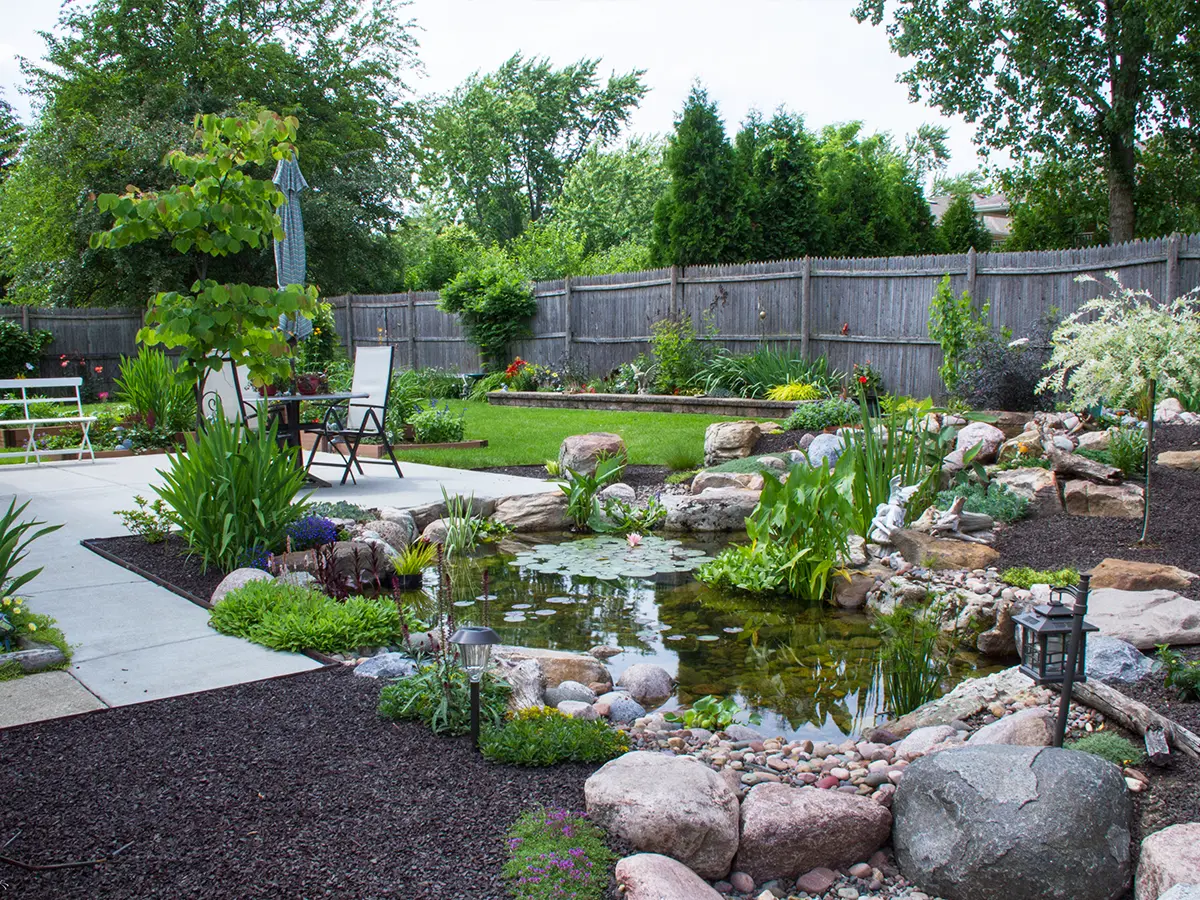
{"x": 18, "y": 621}
{"x": 993, "y": 499}
{"x": 1025, "y": 577}
{"x": 554, "y": 854}
{"x": 1111, "y": 746}
{"x": 439, "y": 696}
{"x": 1180, "y": 673}
{"x": 540, "y": 736}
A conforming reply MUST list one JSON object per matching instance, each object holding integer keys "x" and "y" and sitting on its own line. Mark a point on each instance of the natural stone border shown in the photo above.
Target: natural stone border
{"x": 713, "y": 406}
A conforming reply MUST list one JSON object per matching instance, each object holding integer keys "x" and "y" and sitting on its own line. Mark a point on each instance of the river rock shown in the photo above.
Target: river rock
{"x": 1122, "y": 501}
{"x": 669, "y": 805}
{"x": 546, "y": 511}
{"x": 1180, "y": 459}
{"x": 558, "y": 665}
{"x": 622, "y": 708}
{"x": 826, "y": 449}
{"x": 569, "y": 690}
{"x": 1182, "y": 892}
{"x": 435, "y": 532}
{"x": 851, "y": 592}
{"x": 919, "y": 742}
{"x": 716, "y": 509}
{"x": 236, "y": 579}
{"x": 942, "y": 553}
{"x": 987, "y": 437}
{"x": 619, "y": 491}
{"x": 1033, "y": 727}
{"x": 387, "y": 665}
{"x": 1145, "y": 618}
{"x": 646, "y": 683}
{"x": 724, "y": 441}
{"x": 1025, "y": 482}
{"x": 1112, "y": 659}
{"x": 997, "y": 822}
{"x": 401, "y": 517}
{"x": 577, "y": 710}
{"x": 1127, "y": 575}
{"x": 748, "y": 480}
{"x": 786, "y": 831}
{"x": 580, "y": 452}
{"x": 1169, "y": 857}
{"x": 652, "y": 876}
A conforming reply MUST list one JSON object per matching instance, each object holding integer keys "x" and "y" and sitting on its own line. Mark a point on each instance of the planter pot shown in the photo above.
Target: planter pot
{"x": 409, "y": 582}
{"x": 309, "y": 384}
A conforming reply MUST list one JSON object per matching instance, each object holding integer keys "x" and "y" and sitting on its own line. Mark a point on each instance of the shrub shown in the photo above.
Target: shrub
{"x": 956, "y": 325}
{"x": 994, "y": 500}
{"x": 557, "y": 855}
{"x": 441, "y": 384}
{"x": 494, "y": 302}
{"x": 311, "y": 531}
{"x": 439, "y": 696}
{"x": 679, "y": 356}
{"x": 822, "y": 414}
{"x": 321, "y": 349}
{"x": 1003, "y": 374}
{"x": 1181, "y": 675}
{"x": 754, "y": 374}
{"x": 1105, "y": 744}
{"x": 151, "y": 521}
{"x": 21, "y": 350}
{"x": 15, "y": 539}
{"x": 913, "y": 668}
{"x": 231, "y": 492}
{"x": 439, "y": 425}
{"x": 1025, "y": 577}
{"x": 795, "y": 391}
{"x": 545, "y": 737}
{"x": 711, "y": 713}
{"x": 1127, "y": 449}
{"x": 746, "y": 567}
{"x": 148, "y": 384}
{"x": 866, "y": 378}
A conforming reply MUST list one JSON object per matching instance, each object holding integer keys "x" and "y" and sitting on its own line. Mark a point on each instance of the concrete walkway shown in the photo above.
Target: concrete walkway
{"x": 136, "y": 641}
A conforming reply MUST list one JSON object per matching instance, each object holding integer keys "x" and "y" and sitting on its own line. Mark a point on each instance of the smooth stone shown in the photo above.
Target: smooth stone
{"x": 652, "y": 876}
{"x": 646, "y": 683}
{"x": 581, "y": 452}
{"x": 1127, "y": 575}
{"x": 236, "y": 579}
{"x": 577, "y": 709}
{"x": 1033, "y": 727}
{"x": 387, "y": 665}
{"x": 1169, "y": 857}
{"x": 1145, "y": 618}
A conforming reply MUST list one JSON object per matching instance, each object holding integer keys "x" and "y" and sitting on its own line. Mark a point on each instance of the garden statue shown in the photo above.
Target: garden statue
{"x": 890, "y": 516}
{"x": 957, "y": 523}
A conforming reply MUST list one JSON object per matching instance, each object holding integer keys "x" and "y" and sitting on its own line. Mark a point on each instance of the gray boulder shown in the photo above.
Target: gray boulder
{"x": 387, "y": 665}
{"x": 1182, "y": 892}
{"x": 724, "y": 441}
{"x": 826, "y": 448}
{"x": 236, "y": 579}
{"x": 998, "y": 822}
{"x": 1112, "y": 659}
{"x": 394, "y": 534}
{"x": 570, "y": 690}
{"x": 1033, "y": 727}
{"x": 621, "y": 707}
{"x": 403, "y": 518}
{"x": 987, "y": 438}
{"x": 577, "y": 710}
{"x": 646, "y": 683}
{"x": 714, "y": 509}
{"x": 618, "y": 491}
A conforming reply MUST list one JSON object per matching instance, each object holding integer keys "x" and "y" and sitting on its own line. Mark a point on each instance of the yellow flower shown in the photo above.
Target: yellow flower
{"x": 7, "y": 601}
{"x": 32, "y": 627}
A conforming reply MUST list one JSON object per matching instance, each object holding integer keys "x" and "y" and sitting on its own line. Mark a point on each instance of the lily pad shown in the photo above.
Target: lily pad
{"x": 609, "y": 559}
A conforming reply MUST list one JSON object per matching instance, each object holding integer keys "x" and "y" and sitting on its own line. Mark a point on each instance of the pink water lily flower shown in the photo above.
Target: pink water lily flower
{"x": 634, "y": 539}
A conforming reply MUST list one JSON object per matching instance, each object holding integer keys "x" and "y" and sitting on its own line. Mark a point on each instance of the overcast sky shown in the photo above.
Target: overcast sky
{"x": 808, "y": 55}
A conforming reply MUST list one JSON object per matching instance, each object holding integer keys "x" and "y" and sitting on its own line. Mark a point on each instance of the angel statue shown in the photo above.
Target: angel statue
{"x": 890, "y": 516}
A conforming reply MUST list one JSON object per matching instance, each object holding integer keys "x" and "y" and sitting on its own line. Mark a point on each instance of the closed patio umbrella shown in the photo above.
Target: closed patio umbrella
{"x": 290, "y": 259}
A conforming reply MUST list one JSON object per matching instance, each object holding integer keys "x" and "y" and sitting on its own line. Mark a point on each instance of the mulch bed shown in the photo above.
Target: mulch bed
{"x": 285, "y": 788}
{"x": 1051, "y": 539}
{"x": 778, "y": 442}
{"x": 169, "y": 561}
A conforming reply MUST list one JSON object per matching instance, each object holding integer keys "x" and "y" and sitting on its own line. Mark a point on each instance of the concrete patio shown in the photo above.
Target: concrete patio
{"x": 135, "y": 641}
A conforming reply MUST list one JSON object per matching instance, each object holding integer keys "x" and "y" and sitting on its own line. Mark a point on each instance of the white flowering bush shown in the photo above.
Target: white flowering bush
{"x": 1120, "y": 344}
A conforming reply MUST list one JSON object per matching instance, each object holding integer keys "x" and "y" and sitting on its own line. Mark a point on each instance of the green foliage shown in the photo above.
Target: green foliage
{"x": 15, "y": 538}
{"x": 750, "y": 568}
{"x": 958, "y": 327}
{"x": 415, "y": 558}
{"x": 581, "y": 488}
{"x": 340, "y": 509}
{"x": 231, "y": 492}
{"x": 679, "y": 356}
{"x": 438, "y": 424}
{"x": 711, "y": 713}
{"x": 545, "y": 737}
{"x": 821, "y": 415}
{"x": 698, "y": 219}
{"x": 1056, "y": 205}
{"x": 776, "y": 163}
{"x": 12, "y": 135}
{"x": 494, "y": 303}
{"x": 17, "y": 620}
{"x": 1026, "y": 577}
{"x": 754, "y": 374}
{"x": 151, "y": 521}
{"x": 464, "y": 529}
{"x": 913, "y": 668}
{"x": 1181, "y": 674}
{"x": 557, "y": 855}
{"x": 320, "y": 350}
{"x": 615, "y": 516}
{"x": 795, "y": 392}
{"x": 1110, "y": 746}
{"x": 439, "y": 696}
{"x": 293, "y": 618}
{"x": 684, "y": 459}
{"x": 148, "y": 383}
{"x": 21, "y": 350}
{"x": 1127, "y": 449}
{"x": 994, "y": 499}
{"x": 962, "y": 229}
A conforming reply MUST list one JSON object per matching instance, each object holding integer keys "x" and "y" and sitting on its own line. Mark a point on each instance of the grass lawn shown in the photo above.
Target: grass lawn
{"x": 519, "y": 436}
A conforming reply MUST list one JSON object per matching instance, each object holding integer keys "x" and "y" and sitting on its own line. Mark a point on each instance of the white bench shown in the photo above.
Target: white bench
{"x": 32, "y": 392}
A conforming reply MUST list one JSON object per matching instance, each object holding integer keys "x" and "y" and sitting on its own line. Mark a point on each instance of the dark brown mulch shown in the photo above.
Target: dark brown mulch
{"x": 777, "y": 443}
{"x": 1051, "y": 539}
{"x": 171, "y": 561}
{"x": 284, "y": 788}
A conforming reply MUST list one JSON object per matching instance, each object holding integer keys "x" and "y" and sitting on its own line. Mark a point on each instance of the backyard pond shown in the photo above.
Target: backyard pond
{"x": 809, "y": 670}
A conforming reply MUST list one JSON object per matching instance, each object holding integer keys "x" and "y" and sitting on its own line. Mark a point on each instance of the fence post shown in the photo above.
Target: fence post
{"x": 1172, "y": 267}
{"x": 350, "y": 325}
{"x": 412, "y": 331}
{"x": 25, "y": 316}
{"x": 674, "y": 307}
{"x": 567, "y": 325}
{"x": 972, "y": 274}
{"x": 805, "y": 306}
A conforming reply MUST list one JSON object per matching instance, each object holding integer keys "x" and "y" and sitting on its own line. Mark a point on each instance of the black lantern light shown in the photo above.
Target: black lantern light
{"x": 1052, "y": 641}
{"x": 474, "y": 643}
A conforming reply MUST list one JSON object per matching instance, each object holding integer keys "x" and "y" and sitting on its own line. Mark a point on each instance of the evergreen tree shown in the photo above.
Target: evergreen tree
{"x": 776, "y": 163}
{"x": 698, "y": 219}
{"x": 962, "y": 229}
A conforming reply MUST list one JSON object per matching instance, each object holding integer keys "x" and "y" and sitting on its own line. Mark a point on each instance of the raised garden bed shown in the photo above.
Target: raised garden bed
{"x": 662, "y": 403}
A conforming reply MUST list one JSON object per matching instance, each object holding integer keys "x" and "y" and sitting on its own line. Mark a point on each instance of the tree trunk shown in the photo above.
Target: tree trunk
{"x": 1121, "y": 213}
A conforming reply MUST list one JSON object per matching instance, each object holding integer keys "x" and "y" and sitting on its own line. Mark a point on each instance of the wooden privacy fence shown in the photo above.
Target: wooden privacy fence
{"x": 849, "y": 310}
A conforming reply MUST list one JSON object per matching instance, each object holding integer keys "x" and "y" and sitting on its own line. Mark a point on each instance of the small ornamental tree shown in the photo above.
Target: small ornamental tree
{"x": 494, "y": 302}
{"x": 1122, "y": 348}
{"x": 219, "y": 210}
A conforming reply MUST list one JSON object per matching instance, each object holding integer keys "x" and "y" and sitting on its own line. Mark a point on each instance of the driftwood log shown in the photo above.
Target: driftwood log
{"x": 1135, "y": 716}
{"x": 1072, "y": 465}
{"x": 527, "y": 680}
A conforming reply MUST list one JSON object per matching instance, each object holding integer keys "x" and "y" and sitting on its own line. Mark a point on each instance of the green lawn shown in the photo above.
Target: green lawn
{"x": 519, "y": 436}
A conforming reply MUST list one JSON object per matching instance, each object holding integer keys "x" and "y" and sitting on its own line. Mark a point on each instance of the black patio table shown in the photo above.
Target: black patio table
{"x": 291, "y": 433}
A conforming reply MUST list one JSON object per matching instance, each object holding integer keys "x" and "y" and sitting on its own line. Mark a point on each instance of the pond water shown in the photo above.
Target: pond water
{"x": 809, "y": 670}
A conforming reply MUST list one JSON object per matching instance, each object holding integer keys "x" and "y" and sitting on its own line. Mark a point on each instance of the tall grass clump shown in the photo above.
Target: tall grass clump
{"x": 148, "y": 384}
{"x": 754, "y": 374}
{"x": 914, "y": 668}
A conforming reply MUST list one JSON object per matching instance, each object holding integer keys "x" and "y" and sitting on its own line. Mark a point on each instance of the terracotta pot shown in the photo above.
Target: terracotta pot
{"x": 309, "y": 384}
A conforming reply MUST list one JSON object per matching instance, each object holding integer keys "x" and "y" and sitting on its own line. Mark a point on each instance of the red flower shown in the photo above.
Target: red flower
{"x": 98, "y": 369}
{"x": 862, "y": 379}
{"x": 65, "y": 363}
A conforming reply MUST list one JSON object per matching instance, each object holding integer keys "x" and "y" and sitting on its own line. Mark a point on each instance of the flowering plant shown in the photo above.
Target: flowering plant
{"x": 555, "y": 853}
{"x": 866, "y": 378}
{"x": 18, "y": 621}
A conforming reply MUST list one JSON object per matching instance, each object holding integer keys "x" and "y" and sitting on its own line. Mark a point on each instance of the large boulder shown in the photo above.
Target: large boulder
{"x": 987, "y": 438}
{"x": 716, "y": 509}
{"x": 1180, "y": 459}
{"x": 788, "y": 830}
{"x": 825, "y": 449}
{"x": 573, "y": 691}
{"x": 1169, "y": 857}
{"x": 1145, "y": 618}
{"x": 1127, "y": 575}
{"x": 646, "y": 683}
{"x": 997, "y": 822}
{"x": 401, "y": 517}
{"x": 621, "y": 708}
{"x": 236, "y": 579}
{"x": 748, "y": 480}
{"x": 435, "y": 532}
{"x": 670, "y": 805}
{"x": 851, "y": 592}
{"x": 1112, "y": 659}
{"x": 652, "y": 876}
{"x": 1182, "y": 892}
{"x": 617, "y": 491}
{"x": 1168, "y": 411}
{"x": 1033, "y": 727}
{"x": 942, "y": 553}
{"x": 559, "y": 665}
{"x": 724, "y": 441}
{"x": 395, "y": 534}
{"x": 581, "y": 452}
{"x": 1025, "y": 482}
{"x": 546, "y": 511}
{"x": 1121, "y": 501}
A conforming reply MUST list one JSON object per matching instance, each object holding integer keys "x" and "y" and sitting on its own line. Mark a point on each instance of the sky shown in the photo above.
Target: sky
{"x": 810, "y": 56}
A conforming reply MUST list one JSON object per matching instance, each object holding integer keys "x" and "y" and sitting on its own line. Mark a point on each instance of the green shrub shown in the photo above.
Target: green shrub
{"x": 1025, "y": 577}
{"x": 439, "y": 425}
{"x": 821, "y": 415}
{"x": 545, "y": 737}
{"x": 439, "y": 696}
{"x": 955, "y": 324}
{"x": 1127, "y": 449}
{"x": 1105, "y": 744}
{"x": 441, "y": 384}
{"x": 995, "y": 500}
{"x": 494, "y": 302}
{"x": 581, "y": 488}
{"x": 290, "y": 617}
{"x": 615, "y": 516}
{"x": 148, "y": 384}
{"x": 914, "y": 668}
{"x": 151, "y": 521}
{"x": 231, "y": 492}
{"x": 746, "y": 567}
{"x": 321, "y": 349}
{"x": 1182, "y": 675}
{"x": 21, "y": 350}
{"x": 554, "y": 854}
